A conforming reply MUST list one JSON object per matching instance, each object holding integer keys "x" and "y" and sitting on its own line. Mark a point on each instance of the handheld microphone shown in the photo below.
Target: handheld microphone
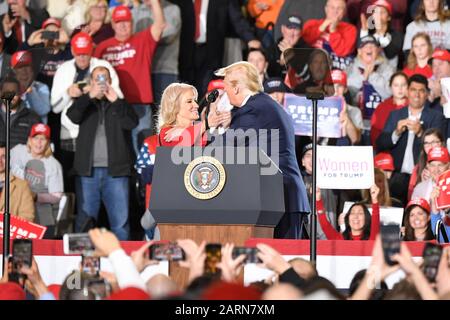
{"x": 210, "y": 98}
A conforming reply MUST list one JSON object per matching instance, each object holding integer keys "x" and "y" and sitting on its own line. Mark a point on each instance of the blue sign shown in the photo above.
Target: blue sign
{"x": 328, "y": 112}
{"x": 371, "y": 100}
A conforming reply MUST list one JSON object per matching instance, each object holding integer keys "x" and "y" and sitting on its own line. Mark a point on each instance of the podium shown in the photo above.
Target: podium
{"x": 249, "y": 205}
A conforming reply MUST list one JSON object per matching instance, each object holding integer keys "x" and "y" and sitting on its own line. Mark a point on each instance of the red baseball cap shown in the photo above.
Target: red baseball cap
{"x": 385, "y": 4}
{"x": 215, "y": 84}
{"x": 384, "y": 161}
{"x": 21, "y": 58}
{"x": 50, "y": 21}
{"x": 339, "y": 77}
{"x": 11, "y": 291}
{"x": 121, "y": 13}
{"x": 438, "y": 154}
{"x": 421, "y": 202}
{"x": 82, "y": 44}
{"x": 40, "y": 128}
{"x": 441, "y": 54}
{"x": 129, "y": 293}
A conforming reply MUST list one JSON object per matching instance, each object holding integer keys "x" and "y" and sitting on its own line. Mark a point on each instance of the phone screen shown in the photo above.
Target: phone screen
{"x": 90, "y": 265}
{"x": 166, "y": 251}
{"x": 250, "y": 253}
{"x": 432, "y": 254}
{"x": 78, "y": 243}
{"x": 213, "y": 257}
{"x": 99, "y": 287}
{"x": 390, "y": 237}
{"x": 22, "y": 253}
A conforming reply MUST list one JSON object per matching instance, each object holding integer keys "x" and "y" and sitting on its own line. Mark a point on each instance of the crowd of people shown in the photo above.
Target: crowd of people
{"x": 101, "y": 84}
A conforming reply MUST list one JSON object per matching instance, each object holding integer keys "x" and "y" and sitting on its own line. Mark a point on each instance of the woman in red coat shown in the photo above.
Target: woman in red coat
{"x": 359, "y": 224}
{"x": 178, "y": 126}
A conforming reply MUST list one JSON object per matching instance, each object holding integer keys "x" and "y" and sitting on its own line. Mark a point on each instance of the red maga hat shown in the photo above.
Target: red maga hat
{"x": 21, "y": 58}
{"x": 438, "y": 154}
{"x": 421, "y": 202}
{"x": 384, "y": 161}
{"x": 121, "y": 13}
{"x": 40, "y": 128}
{"x": 82, "y": 44}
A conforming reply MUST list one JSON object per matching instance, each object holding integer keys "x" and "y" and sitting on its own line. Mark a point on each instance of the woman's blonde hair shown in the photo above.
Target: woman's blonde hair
{"x": 91, "y": 3}
{"x": 170, "y": 103}
{"x": 251, "y": 81}
{"x": 48, "y": 150}
{"x": 411, "y": 62}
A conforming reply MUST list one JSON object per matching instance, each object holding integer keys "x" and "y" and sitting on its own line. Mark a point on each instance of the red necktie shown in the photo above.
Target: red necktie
{"x": 18, "y": 31}
{"x": 197, "y": 8}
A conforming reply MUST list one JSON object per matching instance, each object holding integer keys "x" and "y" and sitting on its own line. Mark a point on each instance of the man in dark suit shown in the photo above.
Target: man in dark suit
{"x": 270, "y": 128}
{"x": 202, "y": 40}
{"x": 403, "y": 131}
{"x": 23, "y": 21}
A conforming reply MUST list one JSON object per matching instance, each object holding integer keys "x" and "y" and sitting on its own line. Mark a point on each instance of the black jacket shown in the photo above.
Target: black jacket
{"x": 221, "y": 13}
{"x": 120, "y": 119}
{"x": 37, "y": 17}
{"x": 431, "y": 119}
{"x": 21, "y": 123}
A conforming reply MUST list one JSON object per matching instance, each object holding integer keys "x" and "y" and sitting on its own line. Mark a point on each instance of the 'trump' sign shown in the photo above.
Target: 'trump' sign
{"x": 344, "y": 167}
{"x": 22, "y": 229}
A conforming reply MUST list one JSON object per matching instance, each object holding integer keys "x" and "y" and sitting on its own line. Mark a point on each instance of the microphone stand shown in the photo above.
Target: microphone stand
{"x": 314, "y": 97}
{"x": 7, "y": 98}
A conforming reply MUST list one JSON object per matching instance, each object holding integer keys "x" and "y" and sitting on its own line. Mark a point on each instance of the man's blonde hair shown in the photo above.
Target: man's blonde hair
{"x": 170, "y": 103}
{"x": 251, "y": 81}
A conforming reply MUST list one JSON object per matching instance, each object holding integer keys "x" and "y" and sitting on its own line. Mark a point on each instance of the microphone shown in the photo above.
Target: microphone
{"x": 210, "y": 98}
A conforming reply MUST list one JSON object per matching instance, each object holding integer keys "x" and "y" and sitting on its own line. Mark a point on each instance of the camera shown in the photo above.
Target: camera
{"x": 432, "y": 254}
{"x": 390, "y": 238}
{"x": 78, "y": 243}
{"x": 22, "y": 255}
{"x": 90, "y": 265}
{"x": 166, "y": 251}
{"x": 82, "y": 84}
{"x": 250, "y": 253}
{"x": 50, "y": 35}
{"x": 213, "y": 257}
{"x": 101, "y": 79}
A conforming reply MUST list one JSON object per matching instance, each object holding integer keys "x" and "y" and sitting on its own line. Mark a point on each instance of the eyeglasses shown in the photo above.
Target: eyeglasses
{"x": 433, "y": 143}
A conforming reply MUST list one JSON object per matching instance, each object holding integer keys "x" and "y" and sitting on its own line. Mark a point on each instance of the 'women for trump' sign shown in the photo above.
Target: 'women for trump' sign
{"x": 344, "y": 167}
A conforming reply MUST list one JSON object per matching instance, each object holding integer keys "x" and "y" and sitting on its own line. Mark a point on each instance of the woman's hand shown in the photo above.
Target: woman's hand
{"x": 374, "y": 192}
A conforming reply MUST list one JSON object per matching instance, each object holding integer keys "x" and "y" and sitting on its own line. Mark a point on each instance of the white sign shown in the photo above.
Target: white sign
{"x": 388, "y": 215}
{"x": 345, "y": 167}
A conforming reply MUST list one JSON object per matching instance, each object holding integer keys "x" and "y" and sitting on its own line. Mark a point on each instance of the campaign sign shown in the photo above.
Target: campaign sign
{"x": 345, "y": 167}
{"x": 23, "y": 229}
{"x": 443, "y": 200}
{"x": 371, "y": 100}
{"x": 328, "y": 111}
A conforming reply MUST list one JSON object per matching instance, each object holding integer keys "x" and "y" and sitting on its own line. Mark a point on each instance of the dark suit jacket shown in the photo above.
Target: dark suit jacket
{"x": 262, "y": 112}
{"x": 38, "y": 16}
{"x": 431, "y": 119}
{"x": 220, "y": 12}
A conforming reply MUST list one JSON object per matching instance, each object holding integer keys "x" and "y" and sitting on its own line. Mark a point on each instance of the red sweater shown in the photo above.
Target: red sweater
{"x": 193, "y": 135}
{"x": 333, "y": 234}
{"x": 425, "y": 71}
{"x": 342, "y": 41}
{"x": 380, "y": 116}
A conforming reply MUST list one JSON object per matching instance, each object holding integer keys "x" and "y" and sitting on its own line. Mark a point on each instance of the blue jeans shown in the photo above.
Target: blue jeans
{"x": 144, "y": 113}
{"x": 113, "y": 191}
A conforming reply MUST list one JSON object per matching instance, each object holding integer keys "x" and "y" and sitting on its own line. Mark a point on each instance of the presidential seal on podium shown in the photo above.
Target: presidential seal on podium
{"x": 204, "y": 177}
